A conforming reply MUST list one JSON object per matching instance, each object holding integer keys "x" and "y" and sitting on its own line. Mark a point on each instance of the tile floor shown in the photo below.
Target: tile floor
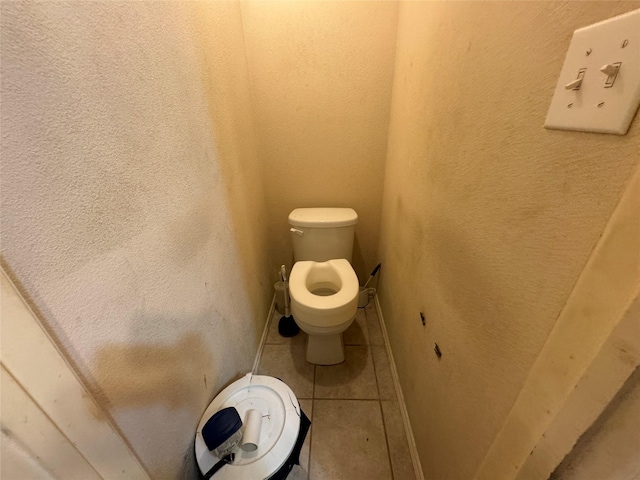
{"x": 356, "y": 427}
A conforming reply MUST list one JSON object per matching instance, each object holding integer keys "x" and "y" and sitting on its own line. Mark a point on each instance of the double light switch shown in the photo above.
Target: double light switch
{"x": 599, "y": 85}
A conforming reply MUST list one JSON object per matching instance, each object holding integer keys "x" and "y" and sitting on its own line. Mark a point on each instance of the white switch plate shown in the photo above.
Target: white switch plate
{"x": 594, "y": 108}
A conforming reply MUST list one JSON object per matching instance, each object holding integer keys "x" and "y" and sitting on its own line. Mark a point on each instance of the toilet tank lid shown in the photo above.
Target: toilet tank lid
{"x": 323, "y": 217}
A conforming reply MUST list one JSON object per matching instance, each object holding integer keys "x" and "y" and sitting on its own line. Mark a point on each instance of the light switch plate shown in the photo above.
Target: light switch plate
{"x": 595, "y": 107}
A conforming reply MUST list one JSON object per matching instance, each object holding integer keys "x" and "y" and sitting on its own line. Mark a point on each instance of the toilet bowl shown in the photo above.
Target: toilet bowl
{"x": 324, "y": 302}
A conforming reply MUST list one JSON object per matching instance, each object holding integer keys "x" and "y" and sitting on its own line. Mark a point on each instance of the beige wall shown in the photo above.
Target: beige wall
{"x": 611, "y": 447}
{"x": 136, "y": 140}
{"x": 488, "y": 219}
{"x": 321, "y": 76}
{"x": 129, "y": 177}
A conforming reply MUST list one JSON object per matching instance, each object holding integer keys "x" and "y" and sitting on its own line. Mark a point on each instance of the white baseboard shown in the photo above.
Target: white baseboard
{"x": 415, "y": 459}
{"x": 256, "y": 362}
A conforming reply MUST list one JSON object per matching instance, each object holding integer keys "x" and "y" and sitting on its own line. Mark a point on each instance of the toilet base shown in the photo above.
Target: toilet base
{"x": 325, "y": 349}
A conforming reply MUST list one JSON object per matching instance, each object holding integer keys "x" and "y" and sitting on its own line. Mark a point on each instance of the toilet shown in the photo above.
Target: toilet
{"x": 323, "y": 286}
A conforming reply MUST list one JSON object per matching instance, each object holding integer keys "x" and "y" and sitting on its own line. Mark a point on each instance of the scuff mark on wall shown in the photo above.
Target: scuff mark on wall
{"x": 135, "y": 375}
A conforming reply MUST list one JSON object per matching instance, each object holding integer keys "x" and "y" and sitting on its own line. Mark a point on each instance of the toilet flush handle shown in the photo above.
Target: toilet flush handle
{"x": 296, "y": 231}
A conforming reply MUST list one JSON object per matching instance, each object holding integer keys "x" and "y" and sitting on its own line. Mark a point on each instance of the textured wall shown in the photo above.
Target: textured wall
{"x": 321, "y": 77}
{"x": 487, "y": 217}
{"x": 129, "y": 175}
{"x": 611, "y": 447}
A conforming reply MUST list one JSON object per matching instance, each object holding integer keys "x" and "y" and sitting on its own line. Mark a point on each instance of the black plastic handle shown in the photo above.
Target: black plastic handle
{"x": 228, "y": 459}
{"x": 375, "y": 270}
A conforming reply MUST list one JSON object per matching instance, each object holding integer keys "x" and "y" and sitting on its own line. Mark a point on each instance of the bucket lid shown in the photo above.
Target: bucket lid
{"x": 323, "y": 217}
{"x": 280, "y": 427}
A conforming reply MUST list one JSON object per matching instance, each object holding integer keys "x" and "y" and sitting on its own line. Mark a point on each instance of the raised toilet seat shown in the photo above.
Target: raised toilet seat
{"x": 324, "y": 302}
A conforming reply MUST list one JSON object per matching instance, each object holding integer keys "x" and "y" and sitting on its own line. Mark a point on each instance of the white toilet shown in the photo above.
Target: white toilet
{"x": 323, "y": 286}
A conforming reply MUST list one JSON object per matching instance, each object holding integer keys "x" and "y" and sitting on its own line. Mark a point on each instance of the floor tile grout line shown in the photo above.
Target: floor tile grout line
{"x": 366, "y": 327}
{"x": 384, "y": 424}
{"x": 313, "y": 408}
{"x": 378, "y": 324}
{"x": 386, "y": 439}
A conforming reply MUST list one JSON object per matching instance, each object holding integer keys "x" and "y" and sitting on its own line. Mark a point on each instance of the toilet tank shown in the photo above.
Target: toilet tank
{"x": 322, "y": 234}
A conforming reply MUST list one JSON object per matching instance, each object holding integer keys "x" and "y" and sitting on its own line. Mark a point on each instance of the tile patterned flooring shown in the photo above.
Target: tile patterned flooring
{"x": 356, "y": 430}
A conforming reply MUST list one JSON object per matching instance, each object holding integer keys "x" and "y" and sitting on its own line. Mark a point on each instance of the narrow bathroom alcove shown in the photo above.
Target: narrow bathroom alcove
{"x": 152, "y": 152}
